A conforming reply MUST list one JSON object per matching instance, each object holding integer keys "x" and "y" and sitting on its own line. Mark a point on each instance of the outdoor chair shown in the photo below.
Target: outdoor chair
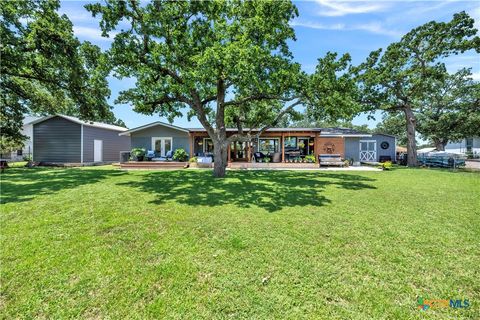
{"x": 276, "y": 157}
{"x": 168, "y": 156}
{"x": 150, "y": 155}
{"x": 258, "y": 155}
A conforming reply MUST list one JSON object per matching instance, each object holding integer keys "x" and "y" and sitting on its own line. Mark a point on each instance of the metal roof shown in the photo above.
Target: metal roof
{"x": 256, "y": 129}
{"x": 153, "y": 124}
{"x": 83, "y": 122}
{"x": 329, "y": 132}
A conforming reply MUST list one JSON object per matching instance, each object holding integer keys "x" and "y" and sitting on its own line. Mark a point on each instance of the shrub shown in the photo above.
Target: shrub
{"x": 193, "y": 159}
{"x": 180, "y": 155}
{"x": 138, "y": 153}
{"x": 346, "y": 163}
{"x": 266, "y": 159}
{"x": 310, "y": 158}
{"x": 27, "y": 158}
{"x": 387, "y": 165}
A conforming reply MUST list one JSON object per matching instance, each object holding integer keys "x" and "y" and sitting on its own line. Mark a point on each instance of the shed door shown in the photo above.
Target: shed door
{"x": 368, "y": 150}
{"x": 97, "y": 150}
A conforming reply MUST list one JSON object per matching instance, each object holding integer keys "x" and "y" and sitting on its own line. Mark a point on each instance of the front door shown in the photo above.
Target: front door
{"x": 368, "y": 150}
{"x": 97, "y": 150}
{"x": 161, "y": 145}
{"x": 238, "y": 151}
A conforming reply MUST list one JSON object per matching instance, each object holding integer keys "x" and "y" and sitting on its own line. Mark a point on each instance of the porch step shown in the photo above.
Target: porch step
{"x": 152, "y": 165}
{"x": 271, "y": 165}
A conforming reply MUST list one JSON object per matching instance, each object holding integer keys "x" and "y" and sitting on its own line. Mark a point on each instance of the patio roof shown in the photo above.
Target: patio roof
{"x": 325, "y": 132}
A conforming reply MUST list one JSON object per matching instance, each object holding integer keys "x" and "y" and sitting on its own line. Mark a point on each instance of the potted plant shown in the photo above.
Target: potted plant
{"x": 137, "y": 154}
{"x": 180, "y": 155}
{"x": 193, "y": 162}
{"x": 387, "y": 165}
{"x": 310, "y": 158}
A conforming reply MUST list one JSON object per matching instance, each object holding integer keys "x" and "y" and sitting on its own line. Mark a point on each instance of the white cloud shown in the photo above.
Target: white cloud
{"x": 333, "y": 8}
{"x": 476, "y": 76}
{"x": 372, "y": 27}
{"x": 89, "y": 33}
{"x": 78, "y": 15}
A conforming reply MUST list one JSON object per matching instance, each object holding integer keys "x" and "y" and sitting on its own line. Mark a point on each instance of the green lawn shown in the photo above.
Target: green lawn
{"x": 103, "y": 243}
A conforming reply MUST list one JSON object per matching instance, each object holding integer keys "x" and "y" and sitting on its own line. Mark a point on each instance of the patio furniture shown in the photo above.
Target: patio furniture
{"x": 150, "y": 155}
{"x": 204, "y": 162}
{"x": 330, "y": 160}
{"x": 3, "y": 164}
{"x": 276, "y": 157}
{"x": 259, "y": 155}
{"x": 168, "y": 157}
{"x": 292, "y": 154}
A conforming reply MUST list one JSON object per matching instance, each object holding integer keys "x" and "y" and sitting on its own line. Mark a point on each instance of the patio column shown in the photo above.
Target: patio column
{"x": 283, "y": 146}
{"x": 317, "y": 145}
{"x": 192, "y": 143}
{"x": 228, "y": 153}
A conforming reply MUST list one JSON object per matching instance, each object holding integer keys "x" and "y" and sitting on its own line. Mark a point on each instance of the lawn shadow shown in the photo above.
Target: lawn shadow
{"x": 270, "y": 190}
{"x": 22, "y": 184}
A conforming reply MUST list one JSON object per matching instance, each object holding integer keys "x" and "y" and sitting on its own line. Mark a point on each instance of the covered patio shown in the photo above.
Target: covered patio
{"x": 280, "y": 145}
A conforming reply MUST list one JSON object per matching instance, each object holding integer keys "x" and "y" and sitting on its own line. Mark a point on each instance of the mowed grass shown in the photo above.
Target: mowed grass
{"x": 104, "y": 243}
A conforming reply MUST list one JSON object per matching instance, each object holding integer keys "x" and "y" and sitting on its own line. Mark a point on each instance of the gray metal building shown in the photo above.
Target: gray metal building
{"x": 65, "y": 139}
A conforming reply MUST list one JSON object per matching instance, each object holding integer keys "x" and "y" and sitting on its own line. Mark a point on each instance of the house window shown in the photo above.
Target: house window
{"x": 19, "y": 152}
{"x": 270, "y": 145}
{"x": 207, "y": 145}
{"x": 290, "y": 143}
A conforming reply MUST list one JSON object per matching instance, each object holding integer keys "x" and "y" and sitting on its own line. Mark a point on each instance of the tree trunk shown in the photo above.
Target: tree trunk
{"x": 439, "y": 144}
{"x": 220, "y": 153}
{"x": 411, "y": 143}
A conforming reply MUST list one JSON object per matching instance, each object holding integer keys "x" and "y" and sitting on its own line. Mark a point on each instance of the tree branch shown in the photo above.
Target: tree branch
{"x": 249, "y": 135}
{"x": 258, "y": 97}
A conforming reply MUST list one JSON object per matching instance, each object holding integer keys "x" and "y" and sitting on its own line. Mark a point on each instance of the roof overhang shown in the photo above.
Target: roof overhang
{"x": 153, "y": 124}
{"x": 346, "y": 135}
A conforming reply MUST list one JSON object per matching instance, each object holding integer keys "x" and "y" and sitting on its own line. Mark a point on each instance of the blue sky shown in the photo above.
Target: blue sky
{"x": 356, "y": 27}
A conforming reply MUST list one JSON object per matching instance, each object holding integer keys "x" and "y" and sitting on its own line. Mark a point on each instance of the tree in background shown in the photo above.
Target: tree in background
{"x": 397, "y": 81}
{"x": 45, "y": 70}
{"x": 451, "y": 109}
{"x": 394, "y": 124}
{"x": 303, "y": 121}
{"x": 225, "y": 62}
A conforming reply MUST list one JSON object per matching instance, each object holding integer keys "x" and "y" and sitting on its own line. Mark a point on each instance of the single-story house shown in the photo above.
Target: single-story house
{"x": 27, "y": 149}
{"x": 285, "y": 143}
{"x": 65, "y": 139}
{"x": 468, "y": 145}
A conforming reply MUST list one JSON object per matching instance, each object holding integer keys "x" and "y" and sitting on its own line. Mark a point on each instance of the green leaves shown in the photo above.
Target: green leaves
{"x": 451, "y": 108}
{"x": 400, "y": 79}
{"x": 331, "y": 92}
{"x": 45, "y": 69}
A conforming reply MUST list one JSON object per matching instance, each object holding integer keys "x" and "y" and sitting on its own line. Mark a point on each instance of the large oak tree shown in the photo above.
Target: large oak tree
{"x": 45, "y": 69}
{"x": 398, "y": 79}
{"x": 451, "y": 108}
{"x": 226, "y": 62}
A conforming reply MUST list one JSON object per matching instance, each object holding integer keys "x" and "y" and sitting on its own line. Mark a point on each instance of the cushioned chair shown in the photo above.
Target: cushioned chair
{"x": 258, "y": 155}
{"x": 277, "y": 157}
{"x": 168, "y": 156}
{"x": 150, "y": 155}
